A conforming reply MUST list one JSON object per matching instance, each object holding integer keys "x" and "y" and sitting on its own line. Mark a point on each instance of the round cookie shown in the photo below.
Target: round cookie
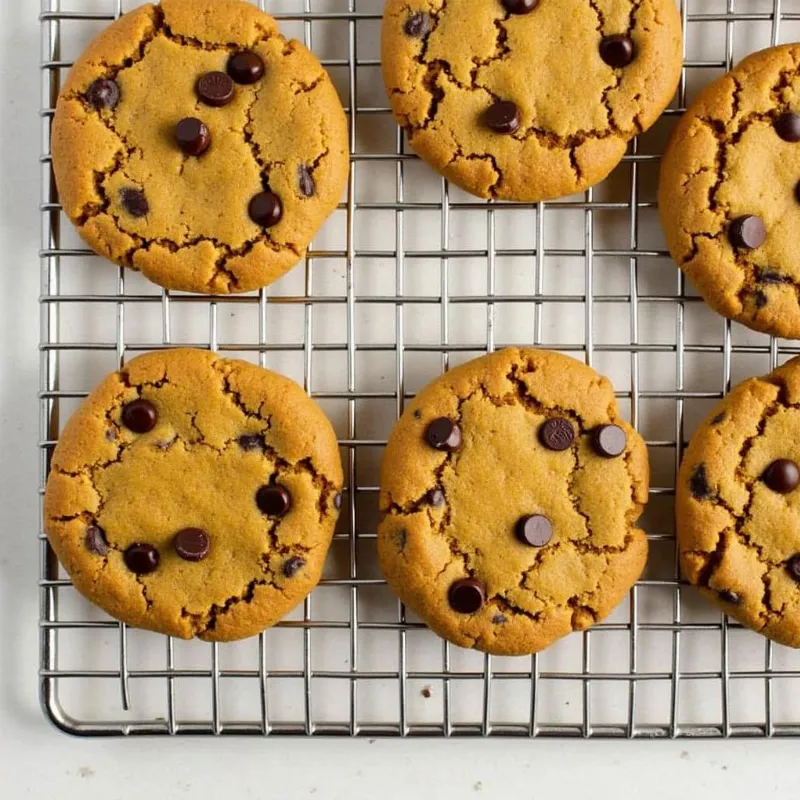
{"x": 729, "y": 198}
{"x": 191, "y": 141}
{"x": 510, "y": 492}
{"x": 194, "y": 495}
{"x": 738, "y": 505}
{"x": 528, "y": 100}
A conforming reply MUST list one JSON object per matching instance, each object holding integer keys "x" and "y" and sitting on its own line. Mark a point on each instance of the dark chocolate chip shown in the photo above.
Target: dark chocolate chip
{"x": 305, "y": 181}
{"x": 141, "y": 558}
{"x": 520, "y": 6}
{"x": 246, "y": 67}
{"x": 444, "y": 434}
{"x": 135, "y": 202}
{"x": 609, "y": 441}
{"x": 747, "y": 232}
{"x": 535, "y": 530}
{"x": 337, "y": 500}
{"x": 797, "y": 192}
{"x": 274, "y": 500}
{"x": 140, "y": 416}
{"x": 499, "y": 619}
{"x": 193, "y": 136}
{"x": 252, "y": 441}
{"x": 417, "y": 413}
{"x": 266, "y": 209}
{"x": 502, "y": 117}
{"x": 728, "y": 596}
{"x": 718, "y": 418}
{"x": 292, "y": 566}
{"x": 787, "y": 126}
{"x": 760, "y": 299}
{"x": 417, "y": 25}
{"x": 698, "y": 483}
{"x": 617, "y": 50}
{"x": 111, "y": 435}
{"x": 793, "y": 565}
{"x": 466, "y": 595}
{"x": 782, "y": 476}
{"x": 215, "y": 89}
{"x": 557, "y": 433}
{"x": 771, "y": 276}
{"x": 95, "y": 540}
{"x": 436, "y": 497}
{"x": 192, "y": 544}
{"x": 103, "y": 93}
{"x": 400, "y": 537}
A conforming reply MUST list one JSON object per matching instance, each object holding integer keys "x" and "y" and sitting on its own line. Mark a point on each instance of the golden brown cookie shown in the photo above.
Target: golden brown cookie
{"x": 194, "y": 495}
{"x": 191, "y": 141}
{"x": 729, "y": 198}
{"x": 738, "y": 505}
{"x": 528, "y": 99}
{"x": 510, "y": 492}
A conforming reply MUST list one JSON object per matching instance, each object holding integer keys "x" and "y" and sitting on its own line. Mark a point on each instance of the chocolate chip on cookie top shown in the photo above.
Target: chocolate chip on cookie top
{"x": 617, "y": 50}
{"x": 216, "y": 81}
{"x": 609, "y": 441}
{"x": 491, "y": 487}
{"x": 520, "y": 6}
{"x": 418, "y": 24}
{"x": 502, "y": 117}
{"x": 787, "y": 126}
{"x": 192, "y": 530}
{"x": 747, "y": 232}
{"x": 793, "y": 567}
{"x": 782, "y": 476}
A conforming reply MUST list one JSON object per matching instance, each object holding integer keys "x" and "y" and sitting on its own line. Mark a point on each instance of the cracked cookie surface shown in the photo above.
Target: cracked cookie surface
{"x": 520, "y": 526}
{"x": 730, "y": 158}
{"x": 188, "y": 225}
{"x": 446, "y": 62}
{"x": 738, "y": 506}
{"x": 221, "y": 445}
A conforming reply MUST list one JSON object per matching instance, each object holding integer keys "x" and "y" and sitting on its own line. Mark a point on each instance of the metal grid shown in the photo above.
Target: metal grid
{"x": 409, "y": 277}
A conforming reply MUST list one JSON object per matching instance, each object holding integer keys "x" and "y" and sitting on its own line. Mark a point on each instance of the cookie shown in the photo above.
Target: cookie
{"x": 738, "y": 505}
{"x": 510, "y": 491}
{"x": 528, "y": 99}
{"x": 729, "y": 197}
{"x": 194, "y": 495}
{"x": 191, "y": 141}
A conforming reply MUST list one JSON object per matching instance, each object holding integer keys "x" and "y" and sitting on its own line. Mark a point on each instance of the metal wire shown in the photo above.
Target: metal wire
{"x": 664, "y": 665}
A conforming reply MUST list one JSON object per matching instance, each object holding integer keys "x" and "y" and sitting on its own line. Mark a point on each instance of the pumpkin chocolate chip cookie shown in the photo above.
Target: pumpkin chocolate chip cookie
{"x": 194, "y": 495}
{"x": 510, "y": 492}
{"x": 191, "y": 141}
{"x": 528, "y": 99}
{"x": 738, "y": 505}
{"x": 729, "y": 197}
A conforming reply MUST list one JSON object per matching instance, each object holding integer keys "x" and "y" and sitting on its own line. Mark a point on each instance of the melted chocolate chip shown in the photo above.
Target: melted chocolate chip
{"x": 718, "y": 418}
{"x": 617, "y": 50}
{"x": 698, "y": 483}
{"x": 305, "y": 181}
{"x": 95, "y": 540}
{"x": 252, "y": 441}
{"x": 134, "y": 202}
{"x": 215, "y": 89}
{"x": 292, "y": 566}
{"x": 141, "y": 558}
{"x": 759, "y": 299}
{"x": 274, "y": 500}
{"x": 782, "y": 476}
{"x": 246, "y": 67}
{"x": 417, "y": 413}
{"x": 400, "y": 537}
{"x": 444, "y": 434}
{"x": 140, "y": 416}
{"x": 192, "y": 544}
{"x": 499, "y": 619}
{"x": 436, "y": 497}
{"x": 771, "y": 276}
{"x": 728, "y": 596}
{"x": 557, "y": 433}
{"x": 111, "y": 435}
{"x": 103, "y": 93}
{"x": 609, "y": 441}
{"x": 793, "y": 566}
{"x": 417, "y": 25}
{"x": 466, "y": 596}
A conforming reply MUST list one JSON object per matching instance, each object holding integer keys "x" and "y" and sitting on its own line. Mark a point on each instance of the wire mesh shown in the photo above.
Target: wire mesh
{"x": 409, "y": 277}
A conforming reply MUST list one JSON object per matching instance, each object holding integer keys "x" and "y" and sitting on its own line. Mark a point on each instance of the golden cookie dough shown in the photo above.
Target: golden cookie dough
{"x": 138, "y": 199}
{"x": 738, "y": 505}
{"x": 730, "y": 159}
{"x": 219, "y": 431}
{"x": 452, "y": 515}
{"x": 446, "y": 62}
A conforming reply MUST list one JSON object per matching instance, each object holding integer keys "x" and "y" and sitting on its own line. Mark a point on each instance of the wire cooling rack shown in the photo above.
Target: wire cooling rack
{"x": 409, "y": 277}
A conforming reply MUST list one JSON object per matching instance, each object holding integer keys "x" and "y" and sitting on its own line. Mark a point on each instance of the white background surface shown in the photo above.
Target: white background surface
{"x": 37, "y": 761}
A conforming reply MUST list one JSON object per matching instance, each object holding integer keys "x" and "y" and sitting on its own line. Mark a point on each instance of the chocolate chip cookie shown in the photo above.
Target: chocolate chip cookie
{"x": 729, "y": 194}
{"x": 510, "y": 492}
{"x": 194, "y": 495}
{"x": 191, "y": 141}
{"x": 738, "y": 505}
{"x": 528, "y": 99}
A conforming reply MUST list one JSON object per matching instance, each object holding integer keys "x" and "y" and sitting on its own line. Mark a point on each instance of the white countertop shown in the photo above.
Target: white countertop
{"x": 38, "y": 761}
